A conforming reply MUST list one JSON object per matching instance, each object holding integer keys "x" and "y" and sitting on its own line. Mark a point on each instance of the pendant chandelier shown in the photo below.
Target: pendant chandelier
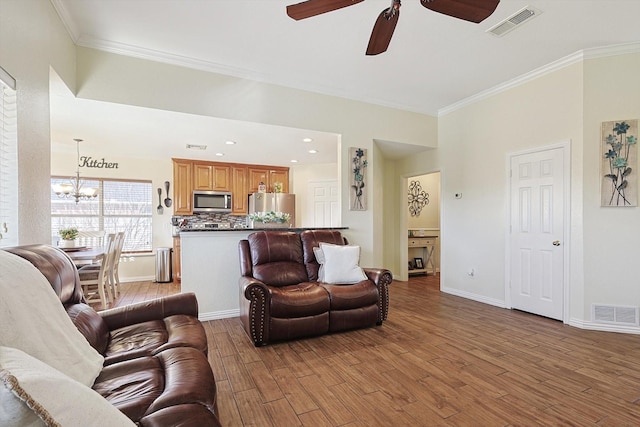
{"x": 76, "y": 189}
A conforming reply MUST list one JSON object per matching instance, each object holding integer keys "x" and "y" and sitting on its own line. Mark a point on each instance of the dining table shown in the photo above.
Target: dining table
{"x": 85, "y": 256}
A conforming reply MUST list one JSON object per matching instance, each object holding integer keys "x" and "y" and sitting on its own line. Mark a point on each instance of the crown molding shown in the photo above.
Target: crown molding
{"x": 212, "y": 67}
{"x": 66, "y": 19}
{"x": 510, "y": 84}
{"x": 614, "y": 50}
{"x": 586, "y": 54}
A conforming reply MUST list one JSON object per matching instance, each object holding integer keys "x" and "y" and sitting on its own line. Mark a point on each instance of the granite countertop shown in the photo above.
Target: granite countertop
{"x": 296, "y": 229}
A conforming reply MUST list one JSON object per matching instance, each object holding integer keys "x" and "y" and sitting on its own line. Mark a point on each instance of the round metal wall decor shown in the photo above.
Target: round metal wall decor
{"x": 418, "y": 198}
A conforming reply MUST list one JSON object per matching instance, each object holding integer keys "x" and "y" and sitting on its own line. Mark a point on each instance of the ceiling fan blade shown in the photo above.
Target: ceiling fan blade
{"x": 469, "y": 10}
{"x": 310, "y": 8}
{"x": 382, "y": 31}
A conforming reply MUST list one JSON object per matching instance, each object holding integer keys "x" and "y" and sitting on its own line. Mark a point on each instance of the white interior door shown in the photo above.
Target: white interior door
{"x": 537, "y": 231}
{"x": 324, "y": 203}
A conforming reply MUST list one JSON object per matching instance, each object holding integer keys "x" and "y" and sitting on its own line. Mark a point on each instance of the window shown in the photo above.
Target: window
{"x": 120, "y": 206}
{"x": 8, "y": 161}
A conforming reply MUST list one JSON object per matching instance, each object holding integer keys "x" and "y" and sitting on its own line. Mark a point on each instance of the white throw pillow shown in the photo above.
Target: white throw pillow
{"x": 340, "y": 264}
{"x": 34, "y": 321}
{"x": 317, "y": 251}
{"x": 33, "y": 393}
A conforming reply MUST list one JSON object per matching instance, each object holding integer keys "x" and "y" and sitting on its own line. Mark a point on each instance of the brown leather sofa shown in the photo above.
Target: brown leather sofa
{"x": 155, "y": 370}
{"x": 282, "y": 299}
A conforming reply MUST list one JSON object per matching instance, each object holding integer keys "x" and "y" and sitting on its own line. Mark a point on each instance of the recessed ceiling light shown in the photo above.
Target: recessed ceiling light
{"x": 307, "y": 140}
{"x": 294, "y": 161}
{"x": 219, "y": 154}
{"x": 196, "y": 147}
{"x": 313, "y": 151}
{"x": 229, "y": 142}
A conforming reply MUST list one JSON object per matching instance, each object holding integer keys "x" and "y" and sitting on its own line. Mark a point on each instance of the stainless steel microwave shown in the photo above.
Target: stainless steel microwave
{"x": 211, "y": 201}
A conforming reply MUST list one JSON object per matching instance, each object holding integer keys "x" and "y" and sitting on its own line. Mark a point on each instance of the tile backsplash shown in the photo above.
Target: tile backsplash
{"x": 234, "y": 221}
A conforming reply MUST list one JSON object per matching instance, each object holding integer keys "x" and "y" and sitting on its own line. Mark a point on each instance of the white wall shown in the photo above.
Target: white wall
{"x": 32, "y": 39}
{"x": 566, "y": 104}
{"x": 429, "y": 216}
{"x": 611, "y": 235}
{"x": 474, "y": 143}
{"x": 114, "y": 78}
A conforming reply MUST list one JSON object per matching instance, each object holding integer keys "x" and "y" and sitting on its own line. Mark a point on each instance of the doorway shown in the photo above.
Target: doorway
{"x": 421, "y": 212}
{"x": 538, "y": 238}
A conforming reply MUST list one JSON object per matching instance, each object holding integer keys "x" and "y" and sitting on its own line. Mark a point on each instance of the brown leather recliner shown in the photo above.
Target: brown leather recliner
{"x": 156, "y": 369}
{"x": 282, "y": 299}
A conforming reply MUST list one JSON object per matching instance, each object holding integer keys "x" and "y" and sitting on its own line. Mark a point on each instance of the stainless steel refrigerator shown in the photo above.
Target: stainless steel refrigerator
{"x": 277, "y": 202}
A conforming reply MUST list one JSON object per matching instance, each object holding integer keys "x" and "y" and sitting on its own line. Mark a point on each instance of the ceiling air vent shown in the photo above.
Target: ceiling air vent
{"x": 514, "y": 21}
{"x": 196, "y": 147}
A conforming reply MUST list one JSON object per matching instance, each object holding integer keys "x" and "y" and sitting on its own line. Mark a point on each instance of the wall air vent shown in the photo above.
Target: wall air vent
{"x": 615, "y": 314}
{"x": 514, "y": 21}
{"x": 196, "y": 147}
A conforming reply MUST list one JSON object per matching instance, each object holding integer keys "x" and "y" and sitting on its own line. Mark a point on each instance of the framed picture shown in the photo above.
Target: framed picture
{"x": 358, "y": 192}
{"x": 619, "y": 163}
{"x": 418, "y": 262}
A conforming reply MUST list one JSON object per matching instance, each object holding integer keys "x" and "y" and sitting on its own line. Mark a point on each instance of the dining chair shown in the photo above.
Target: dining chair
{"x": 91, "y": 239}
{"x": 114, "y": 278}
{"x": 94, "y": 278}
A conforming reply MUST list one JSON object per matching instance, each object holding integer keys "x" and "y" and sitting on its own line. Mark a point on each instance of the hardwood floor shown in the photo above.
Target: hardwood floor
{"x": 140, "y": 291}
{"x": 439, "y": 360}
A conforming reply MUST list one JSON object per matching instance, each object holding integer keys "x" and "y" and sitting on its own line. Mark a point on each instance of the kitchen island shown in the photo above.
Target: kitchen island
{"x": 211, "y": 267}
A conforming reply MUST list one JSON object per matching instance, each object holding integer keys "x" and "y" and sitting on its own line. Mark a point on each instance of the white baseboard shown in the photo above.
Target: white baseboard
{"x": 137, "y": 279}
{"x": 592, "y": 326}
{"x": 474, "y": 297}
{"x": 216, "y": 315}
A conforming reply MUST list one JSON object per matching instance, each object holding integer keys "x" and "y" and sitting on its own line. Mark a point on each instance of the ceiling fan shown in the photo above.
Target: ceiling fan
{"x": 468, "y": 10}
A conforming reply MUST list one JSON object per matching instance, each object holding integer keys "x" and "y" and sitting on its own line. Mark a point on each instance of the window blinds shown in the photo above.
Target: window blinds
{"x": 8, "y": 161}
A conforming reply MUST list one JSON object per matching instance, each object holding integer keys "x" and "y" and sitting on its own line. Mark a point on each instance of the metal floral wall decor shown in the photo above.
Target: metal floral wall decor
{"x": 358, "y": 194}
{"x": 619, "y": 163}
{"x": 418, "y": 198}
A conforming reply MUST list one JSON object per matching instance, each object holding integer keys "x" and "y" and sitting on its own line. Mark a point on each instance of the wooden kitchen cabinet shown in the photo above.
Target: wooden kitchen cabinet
{"x": 177, "y": 270}
{"x": 279, "y": 175}
{"x": 240, "y": 179}
{"x": 268, "y": 175}
{"x": 182, "y": 187}
{"x": 239, "y": 190}
{"x": 256, "y": 176}
{"x": 212, "y": 177}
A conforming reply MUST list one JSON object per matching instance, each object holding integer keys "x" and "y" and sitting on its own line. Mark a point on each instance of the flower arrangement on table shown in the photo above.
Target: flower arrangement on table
{"x": 270, "y": 217}
{"x": 70, "y": 233}
{"x": 68, "y": 237}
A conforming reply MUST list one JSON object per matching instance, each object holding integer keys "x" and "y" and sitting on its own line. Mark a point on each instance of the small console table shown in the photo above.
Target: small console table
{"x": 425, "y": 246}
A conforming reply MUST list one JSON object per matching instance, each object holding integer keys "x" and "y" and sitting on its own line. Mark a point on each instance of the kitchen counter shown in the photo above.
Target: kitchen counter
{"x": 210, "y": 267}
{"x": 296, "y": 229}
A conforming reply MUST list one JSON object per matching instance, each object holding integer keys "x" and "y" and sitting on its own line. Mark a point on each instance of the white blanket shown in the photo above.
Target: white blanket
{"x": 33, "y": 320}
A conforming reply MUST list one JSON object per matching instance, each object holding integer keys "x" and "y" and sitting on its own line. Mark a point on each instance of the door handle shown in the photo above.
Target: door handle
{"x": 556, "y": 243}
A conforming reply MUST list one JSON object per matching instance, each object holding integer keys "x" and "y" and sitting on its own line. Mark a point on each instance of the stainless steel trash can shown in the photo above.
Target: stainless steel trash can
{"x": 163, "y": 265}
